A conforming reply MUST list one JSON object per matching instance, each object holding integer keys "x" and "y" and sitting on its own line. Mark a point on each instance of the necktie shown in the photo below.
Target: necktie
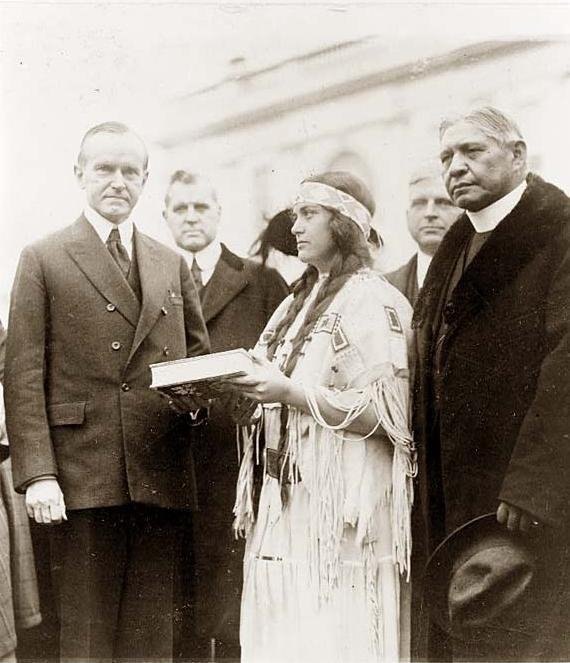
{"x": 197, "y": 275}
{"x": 118, "y": 251}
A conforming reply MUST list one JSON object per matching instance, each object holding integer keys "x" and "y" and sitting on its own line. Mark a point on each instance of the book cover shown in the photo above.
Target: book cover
{"x": 199, "y": 376}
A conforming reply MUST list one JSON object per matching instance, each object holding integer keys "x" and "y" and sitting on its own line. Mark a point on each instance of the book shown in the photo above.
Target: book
{"x": 202, "y": 377}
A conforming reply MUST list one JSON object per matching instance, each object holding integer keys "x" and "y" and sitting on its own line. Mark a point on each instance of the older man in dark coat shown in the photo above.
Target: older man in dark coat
{"x": 238, "y": 296}
{"x": 492, "y": 403}
{"x": 98, "y": 454}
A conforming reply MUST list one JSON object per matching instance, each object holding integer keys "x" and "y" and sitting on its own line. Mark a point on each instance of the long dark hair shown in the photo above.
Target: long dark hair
{"x": 352, "y": 254}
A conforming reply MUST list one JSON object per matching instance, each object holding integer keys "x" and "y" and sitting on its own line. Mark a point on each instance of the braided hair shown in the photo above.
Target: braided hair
{"x": 352, "y": 255}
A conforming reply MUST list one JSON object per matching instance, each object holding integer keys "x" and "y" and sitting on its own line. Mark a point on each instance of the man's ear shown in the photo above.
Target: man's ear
{"x": 519, "y": 154}
{"x": 145, "y": 177}
{"x": 79, "y": 175}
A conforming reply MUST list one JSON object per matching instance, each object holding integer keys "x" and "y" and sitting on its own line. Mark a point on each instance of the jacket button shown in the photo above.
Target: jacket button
{"x": 165, "y": 351}
{"x": 449, "y": 310}
{"x": 125, "y": 387}
{"x": 111, "y": 307}
{"x": 116, "y": 345}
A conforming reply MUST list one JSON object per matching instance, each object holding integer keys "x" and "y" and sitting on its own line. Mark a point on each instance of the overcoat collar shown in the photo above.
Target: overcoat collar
{"x": 227, "y": 281}
{"x": 519, "y": 236}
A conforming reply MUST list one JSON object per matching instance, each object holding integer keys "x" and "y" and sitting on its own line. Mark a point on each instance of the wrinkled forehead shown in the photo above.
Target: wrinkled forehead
{"x": 463, "y": 132}
{"x": 431, "y": 186}
{"x": 193, "y": 193}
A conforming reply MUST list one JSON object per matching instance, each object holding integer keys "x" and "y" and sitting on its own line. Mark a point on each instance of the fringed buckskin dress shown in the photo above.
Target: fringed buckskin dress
{"x": 328, "y": 553}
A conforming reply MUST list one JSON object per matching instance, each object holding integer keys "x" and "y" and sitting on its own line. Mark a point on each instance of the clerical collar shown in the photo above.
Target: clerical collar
{"x": 103, "y": 228}
{"x": 489, "y": 217}
{"x": 208, "y": 257}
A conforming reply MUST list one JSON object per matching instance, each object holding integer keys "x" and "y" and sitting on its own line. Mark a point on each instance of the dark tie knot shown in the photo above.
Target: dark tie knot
{"x": 197, "y": 274}
{"x": 114, "y": 236}
{"x": 118, "y": 251}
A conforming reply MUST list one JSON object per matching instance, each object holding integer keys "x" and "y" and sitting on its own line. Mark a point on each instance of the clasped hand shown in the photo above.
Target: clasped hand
{"x": 44, "y": 501}
{"x": 188, "y": 403}
{"x": 265, "y": 384}
{"x": 515, "y": 518}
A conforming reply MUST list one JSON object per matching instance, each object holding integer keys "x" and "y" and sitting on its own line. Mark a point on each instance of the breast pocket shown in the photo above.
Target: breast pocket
{"x": 66, "y": 414}
{"x": 175, "y": 300}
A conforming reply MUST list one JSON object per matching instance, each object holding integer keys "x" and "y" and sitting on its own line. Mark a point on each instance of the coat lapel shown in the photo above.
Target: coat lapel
{"x": 519, "y": 236}
{"x": 95, "y": 261}
{"x": 514, "y": 242}
{"x": 154, "y": 284}
{"x": 227, "y": 281}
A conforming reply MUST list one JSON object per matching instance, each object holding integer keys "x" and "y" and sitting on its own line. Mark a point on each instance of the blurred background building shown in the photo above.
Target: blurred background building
{"x": 368, "y": 106}
{"x": 259, "y": 96}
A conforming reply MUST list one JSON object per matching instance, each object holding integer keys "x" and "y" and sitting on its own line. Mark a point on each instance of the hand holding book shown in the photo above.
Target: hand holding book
{"x": 196, "y": 381}
{"x": 264, "y": 383}
{"x": 245, "y": 410}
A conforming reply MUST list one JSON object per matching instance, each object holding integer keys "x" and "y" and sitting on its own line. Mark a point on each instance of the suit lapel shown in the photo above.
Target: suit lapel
{"x": 439, "y": 272}
{"x": 411, "y": 285}
{"x": 94, "y": 260}
{"x": 227, "y": 281}
{"x": 153, "y": 279}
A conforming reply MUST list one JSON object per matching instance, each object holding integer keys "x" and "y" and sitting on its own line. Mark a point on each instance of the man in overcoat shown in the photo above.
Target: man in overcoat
{"x": 238, "y": 297}
{"x": 100, "y": 456}
{"x": 430, "y": 214}
{"x": 492, "y": 403}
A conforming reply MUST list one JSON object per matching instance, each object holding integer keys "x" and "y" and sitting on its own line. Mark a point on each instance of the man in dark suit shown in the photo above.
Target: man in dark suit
{"x": 94, "y": 449}
{"x": 492, "y": 405}
{"x": 238, "y": 296}
{"x": 430, "y": 215}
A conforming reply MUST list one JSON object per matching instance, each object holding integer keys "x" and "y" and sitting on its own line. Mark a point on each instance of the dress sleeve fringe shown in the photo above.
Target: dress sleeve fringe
{"x": 322, "y": 472}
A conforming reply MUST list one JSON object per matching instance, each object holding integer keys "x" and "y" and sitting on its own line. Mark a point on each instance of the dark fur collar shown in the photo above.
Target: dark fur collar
{"x": 538, "y": 217}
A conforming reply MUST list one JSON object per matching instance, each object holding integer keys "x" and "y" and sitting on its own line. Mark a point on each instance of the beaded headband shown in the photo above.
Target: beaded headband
{"x": 316, "y": 193}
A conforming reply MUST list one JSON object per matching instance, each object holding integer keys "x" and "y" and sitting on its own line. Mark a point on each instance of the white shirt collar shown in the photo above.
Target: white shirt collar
{"x": 489, "y": 217}
{"x": 422, "y": 267}
{"x": 103, "y": 228}
{"x": 209, "y": 255}
{"x": 207, "y": 259}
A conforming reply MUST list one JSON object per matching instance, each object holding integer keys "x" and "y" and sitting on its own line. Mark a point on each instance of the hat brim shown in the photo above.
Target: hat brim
{"x": 440, "y": 564}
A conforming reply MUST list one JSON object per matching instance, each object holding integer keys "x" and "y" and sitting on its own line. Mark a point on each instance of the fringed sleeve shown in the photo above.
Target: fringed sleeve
{"x": 248, "y": 444}
{"x": 387, "y": 393}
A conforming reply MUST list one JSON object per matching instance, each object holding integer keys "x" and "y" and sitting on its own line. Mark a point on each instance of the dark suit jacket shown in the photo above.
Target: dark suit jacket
{"x": 405, "y": 278}
{"x": 77, "y": 377}
{"x": 501, "y": 430}
{"x": 237, "y": 302}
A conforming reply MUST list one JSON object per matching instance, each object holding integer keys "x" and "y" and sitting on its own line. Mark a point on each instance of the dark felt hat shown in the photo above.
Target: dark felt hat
{"x": 479, "y": 581}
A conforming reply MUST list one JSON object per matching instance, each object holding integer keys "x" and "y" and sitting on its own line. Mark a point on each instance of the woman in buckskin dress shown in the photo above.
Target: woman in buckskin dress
{"x": 327, "y": 556}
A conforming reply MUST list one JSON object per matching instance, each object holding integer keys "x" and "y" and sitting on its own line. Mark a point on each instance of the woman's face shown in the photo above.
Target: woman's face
{"x": 315, "y": 244}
